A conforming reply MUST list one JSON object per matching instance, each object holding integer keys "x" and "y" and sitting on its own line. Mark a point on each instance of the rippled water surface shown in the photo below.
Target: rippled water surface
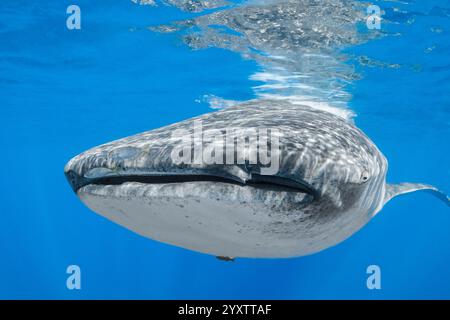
{"x": 138, "y": 65}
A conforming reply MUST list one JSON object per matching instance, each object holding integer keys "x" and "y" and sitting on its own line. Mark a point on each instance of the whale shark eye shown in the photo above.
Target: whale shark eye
{"x": 364, "y": 176}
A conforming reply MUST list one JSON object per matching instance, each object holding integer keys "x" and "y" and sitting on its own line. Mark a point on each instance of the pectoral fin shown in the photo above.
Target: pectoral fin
{"x": 393, "y": 190}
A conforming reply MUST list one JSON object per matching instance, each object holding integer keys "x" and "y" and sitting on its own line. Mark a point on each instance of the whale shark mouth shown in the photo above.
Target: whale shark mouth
{"x": 271, "y": 183}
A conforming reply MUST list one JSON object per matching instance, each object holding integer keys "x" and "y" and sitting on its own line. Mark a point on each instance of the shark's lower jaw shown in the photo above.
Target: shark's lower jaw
{"x": 216, "y": 218}
{"x": 220, "y": 218}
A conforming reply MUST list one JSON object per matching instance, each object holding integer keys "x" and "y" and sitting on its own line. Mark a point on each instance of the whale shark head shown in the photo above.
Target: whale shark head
{"x": 353, "y": 180}
{"x": 317, "y": 154}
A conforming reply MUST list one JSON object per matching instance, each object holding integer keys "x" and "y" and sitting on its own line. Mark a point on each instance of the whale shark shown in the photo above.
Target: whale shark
{"x": 330, "y": 181}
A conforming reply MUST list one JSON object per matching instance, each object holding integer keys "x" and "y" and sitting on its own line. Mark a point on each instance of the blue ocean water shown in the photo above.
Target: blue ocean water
{"x": 63, "y": 91}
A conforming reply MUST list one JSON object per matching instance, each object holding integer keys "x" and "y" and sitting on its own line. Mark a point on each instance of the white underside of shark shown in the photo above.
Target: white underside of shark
{"x": 195, "y": 216}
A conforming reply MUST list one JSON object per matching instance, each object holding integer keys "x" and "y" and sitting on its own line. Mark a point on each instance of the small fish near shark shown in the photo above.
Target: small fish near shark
{"x": 330, "y": 182}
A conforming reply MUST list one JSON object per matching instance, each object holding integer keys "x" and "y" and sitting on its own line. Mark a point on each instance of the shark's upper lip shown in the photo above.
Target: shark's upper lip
{"x": 275, "y": 183}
